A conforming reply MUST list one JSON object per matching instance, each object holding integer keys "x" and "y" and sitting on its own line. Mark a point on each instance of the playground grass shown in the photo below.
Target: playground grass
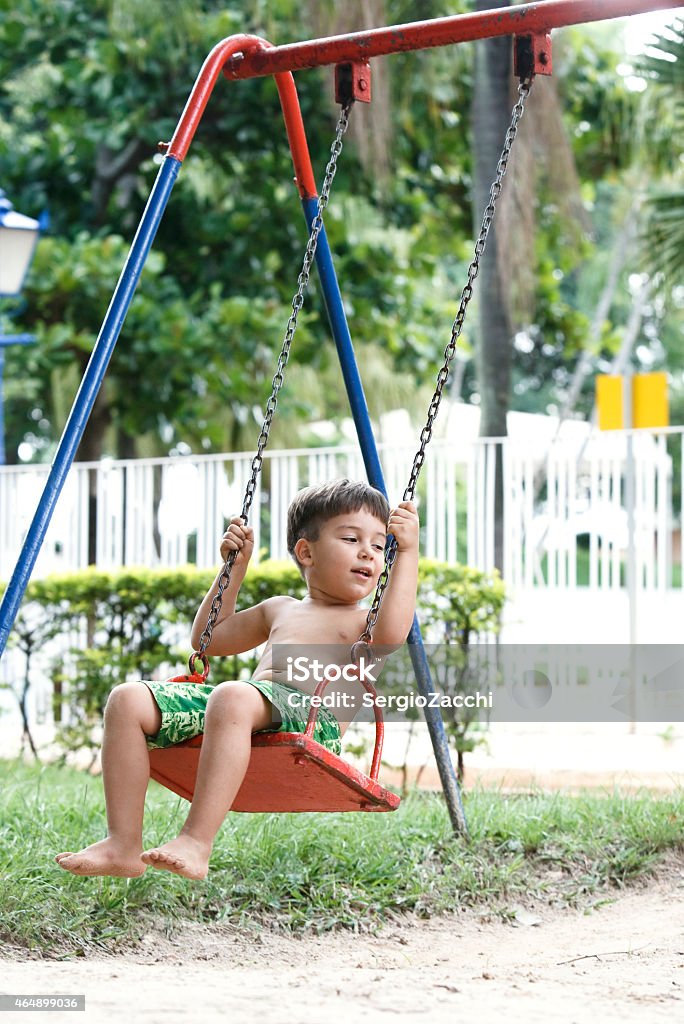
{"x": 317, "y": 872}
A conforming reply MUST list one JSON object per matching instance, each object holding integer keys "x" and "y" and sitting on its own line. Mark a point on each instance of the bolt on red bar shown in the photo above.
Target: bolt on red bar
{"x": 353, "y": 81}
{"x": 532, "y": 55}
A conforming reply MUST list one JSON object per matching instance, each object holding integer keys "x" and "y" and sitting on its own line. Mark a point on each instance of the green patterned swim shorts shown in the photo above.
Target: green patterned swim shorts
{"x": 183, "y": 706}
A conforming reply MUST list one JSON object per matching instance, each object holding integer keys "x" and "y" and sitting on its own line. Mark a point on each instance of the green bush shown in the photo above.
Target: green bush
{"x": 135, "y": 623}
{"x": 457, "y": 603}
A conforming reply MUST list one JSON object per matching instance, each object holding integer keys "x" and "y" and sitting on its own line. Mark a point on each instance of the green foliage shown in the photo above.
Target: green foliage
{"x": 664, "y": 65}
{"x": 666, "y": 232}
{"x": 84, "y": 95}
{"x": 458, "y": 601}
{"x": 167, "y": 376}
{"x": 456, "y": 604}
{"x": 601, "y": 110}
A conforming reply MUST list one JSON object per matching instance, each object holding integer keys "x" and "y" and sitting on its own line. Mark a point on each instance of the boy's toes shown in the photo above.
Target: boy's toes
{"x": 153, "y": 856}
{"x": 182, "y": 855}
{"x": 158, "y": 856}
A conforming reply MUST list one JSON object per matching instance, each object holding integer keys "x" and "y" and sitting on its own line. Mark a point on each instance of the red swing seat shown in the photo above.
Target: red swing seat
{"x": 288, "y": 771}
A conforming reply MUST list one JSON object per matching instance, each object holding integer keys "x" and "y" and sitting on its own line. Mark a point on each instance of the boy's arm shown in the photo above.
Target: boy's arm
{"x": 233, "y": 632}
{"x": 399, "y": 601}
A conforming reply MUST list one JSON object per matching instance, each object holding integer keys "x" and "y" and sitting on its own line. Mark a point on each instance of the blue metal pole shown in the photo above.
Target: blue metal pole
{"x": 359, "y": 408}
{"x": 87, "y": 393}
{"x": 345, "y": 349}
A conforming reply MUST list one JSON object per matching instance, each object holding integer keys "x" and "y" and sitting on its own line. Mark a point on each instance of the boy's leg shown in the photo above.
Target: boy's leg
{"x": 130, "y": 716}
{"x": 234, "y": 712}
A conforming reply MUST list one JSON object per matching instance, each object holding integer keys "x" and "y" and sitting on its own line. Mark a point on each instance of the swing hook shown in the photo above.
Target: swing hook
{"x": 362, "y": 650}
{"x": 532, "y": 55}
{"x": 353, "y": 82}
{"x": 192, "y": 661}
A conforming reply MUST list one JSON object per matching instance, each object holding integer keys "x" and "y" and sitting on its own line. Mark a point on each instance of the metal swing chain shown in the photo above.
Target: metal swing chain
{"x": 362, "y": 645}
{"x": 277, "y": 382}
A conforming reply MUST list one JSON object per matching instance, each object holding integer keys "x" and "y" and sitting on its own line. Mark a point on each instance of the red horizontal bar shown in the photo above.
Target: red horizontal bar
{"x": 245, "y": 56}
{"x": 526, "y": 19}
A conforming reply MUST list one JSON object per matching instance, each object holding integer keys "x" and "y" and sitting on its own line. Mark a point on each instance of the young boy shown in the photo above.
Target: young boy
{"x": 336, "y": 534}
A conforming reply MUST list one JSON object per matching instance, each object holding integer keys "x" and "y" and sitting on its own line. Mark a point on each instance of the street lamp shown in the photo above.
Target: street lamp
{"x": 18, "y": 238}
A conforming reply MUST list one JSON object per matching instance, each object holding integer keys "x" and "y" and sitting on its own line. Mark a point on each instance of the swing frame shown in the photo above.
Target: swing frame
{"x": 245, "y": 56}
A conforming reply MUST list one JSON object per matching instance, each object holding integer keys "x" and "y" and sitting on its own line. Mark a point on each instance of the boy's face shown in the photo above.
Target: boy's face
{"x": 347, "y": 558}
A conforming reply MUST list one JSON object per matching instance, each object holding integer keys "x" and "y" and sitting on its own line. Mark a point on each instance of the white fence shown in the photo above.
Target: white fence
{"x": 565, "y": 521}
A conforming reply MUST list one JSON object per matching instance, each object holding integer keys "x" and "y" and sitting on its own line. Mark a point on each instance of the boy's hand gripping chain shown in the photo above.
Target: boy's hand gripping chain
{"x": 362, "y": 647}
{"x": 277, "y": 383}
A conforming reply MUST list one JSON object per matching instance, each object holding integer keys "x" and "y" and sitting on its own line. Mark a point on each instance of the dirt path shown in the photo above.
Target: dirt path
{"x": 623, "y": 961}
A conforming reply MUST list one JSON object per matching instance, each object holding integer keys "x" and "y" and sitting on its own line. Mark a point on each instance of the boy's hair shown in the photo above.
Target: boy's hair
{"x": 313, "y": 506}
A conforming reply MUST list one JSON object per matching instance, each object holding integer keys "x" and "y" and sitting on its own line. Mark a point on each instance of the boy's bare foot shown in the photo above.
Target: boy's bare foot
{"x": 183, "y": 855}
{"x": 104, "y": 858}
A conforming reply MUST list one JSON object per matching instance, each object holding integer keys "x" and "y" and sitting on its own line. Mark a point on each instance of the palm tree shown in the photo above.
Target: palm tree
{"x": 665, "y": 227}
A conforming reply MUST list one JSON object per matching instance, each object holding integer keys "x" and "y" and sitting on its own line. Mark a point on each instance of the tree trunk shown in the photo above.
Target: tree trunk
{"x": 490, "y": 119}
{"x": 370, "y": 127}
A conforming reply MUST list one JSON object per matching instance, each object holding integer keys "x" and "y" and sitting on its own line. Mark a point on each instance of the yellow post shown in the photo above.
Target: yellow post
{"x": 649, "y": 401}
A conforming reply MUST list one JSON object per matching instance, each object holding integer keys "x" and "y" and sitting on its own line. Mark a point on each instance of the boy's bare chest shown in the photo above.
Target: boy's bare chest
{"x": 302, "y": 624}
